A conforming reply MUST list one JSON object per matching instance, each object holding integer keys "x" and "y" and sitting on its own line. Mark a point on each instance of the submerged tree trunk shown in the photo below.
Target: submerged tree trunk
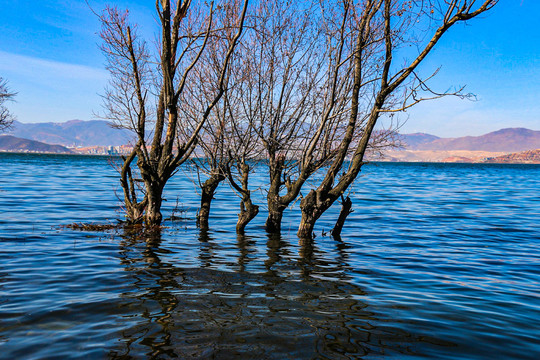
{"x": 310, "y": 214}
{"x": 248, "y": 211}
{"x": 346, "y": 205}
{"x": 153, "y": 215}
{"x": 274, "y": 201}
{"x": 138, "y": 84}
{"x": 134, "y": 208}
{"x": 208, "y": 190}
{"x": 389, "y": 79}
{"x": 275, "y": 215}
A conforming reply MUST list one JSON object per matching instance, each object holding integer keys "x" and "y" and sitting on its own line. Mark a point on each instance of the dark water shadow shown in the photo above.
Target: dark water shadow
{"x": 288, "y": 310}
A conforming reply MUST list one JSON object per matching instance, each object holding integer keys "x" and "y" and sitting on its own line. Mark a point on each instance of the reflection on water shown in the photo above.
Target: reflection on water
{"x": 287, "y": 311}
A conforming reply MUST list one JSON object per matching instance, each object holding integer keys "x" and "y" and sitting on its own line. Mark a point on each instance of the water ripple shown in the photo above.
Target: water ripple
{"x": 438, "y": 260}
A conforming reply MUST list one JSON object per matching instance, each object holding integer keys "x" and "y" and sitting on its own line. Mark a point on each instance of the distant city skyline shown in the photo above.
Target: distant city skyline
{"x": 49, "y": 54}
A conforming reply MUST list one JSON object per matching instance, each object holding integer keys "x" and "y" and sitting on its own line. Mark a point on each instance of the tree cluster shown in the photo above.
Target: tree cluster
{"x": 300, "y": 86}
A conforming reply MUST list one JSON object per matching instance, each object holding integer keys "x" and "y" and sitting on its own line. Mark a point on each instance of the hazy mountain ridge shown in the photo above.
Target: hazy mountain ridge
{"x": 412, "y": 141}
{"x": 72, "y": 133}
{"x": 15, "y": 144}
{"x": 504, "y": 140}
{"x": 418, "y": 146}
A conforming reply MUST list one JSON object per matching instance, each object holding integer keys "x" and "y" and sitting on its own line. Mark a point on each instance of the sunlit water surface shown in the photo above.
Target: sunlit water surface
{"x": 438, "y": 260}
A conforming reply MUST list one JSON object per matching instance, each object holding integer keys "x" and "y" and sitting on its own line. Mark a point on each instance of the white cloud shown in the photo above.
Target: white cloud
{"x": 51, "y": 90}
{"x": 39, "y": 70}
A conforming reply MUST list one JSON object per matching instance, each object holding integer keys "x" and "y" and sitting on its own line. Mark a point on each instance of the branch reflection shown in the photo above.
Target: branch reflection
{"x": 291, "y": 306}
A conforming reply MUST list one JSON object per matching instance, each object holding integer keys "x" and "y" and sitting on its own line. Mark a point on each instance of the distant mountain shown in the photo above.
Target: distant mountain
{"x": 505, "y": 140}
{"x": 412, "y": 141}
{"x": 72, "y": 133}
{"x": 15, "y": 144}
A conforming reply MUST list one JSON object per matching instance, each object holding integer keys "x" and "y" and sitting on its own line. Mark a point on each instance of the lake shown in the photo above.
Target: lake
{"x": 437, "y": 261}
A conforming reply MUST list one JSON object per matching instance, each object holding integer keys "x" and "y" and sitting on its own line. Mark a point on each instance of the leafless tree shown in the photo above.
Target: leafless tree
{"x": 245, "y": 154}
{"x": 282, "y": 85}
{"x": 215, "y": 138}
{"x": 228, "y": 142}
{"x": 287, "y": 94}
{"x": 273, "y": 86}
{"x": 6, "y": 117}
{"x": 145, "y": 94}
{"x": 382, "y": 84}
{"x": 231, "y": 152}
{"x": 301, "y": 82}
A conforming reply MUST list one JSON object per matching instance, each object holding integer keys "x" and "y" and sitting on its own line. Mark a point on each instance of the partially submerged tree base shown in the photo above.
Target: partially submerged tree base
{"x": 208, "y": 190}
{"x": 312, "y": 209}
{"x": 273, "y": 221}
{"x": 248, "y": 211}
{"x": 346, "y": 205}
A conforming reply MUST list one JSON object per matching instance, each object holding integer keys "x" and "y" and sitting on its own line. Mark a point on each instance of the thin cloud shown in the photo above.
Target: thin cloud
{"x": 37, "y": 68}
{"x": 51, "y": 90}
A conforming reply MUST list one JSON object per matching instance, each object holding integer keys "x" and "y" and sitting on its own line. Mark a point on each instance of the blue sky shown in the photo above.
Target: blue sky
{"x": 49, "y": 55}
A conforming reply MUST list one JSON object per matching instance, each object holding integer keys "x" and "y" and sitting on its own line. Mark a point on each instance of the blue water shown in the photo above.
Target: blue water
{"x": 438, "y": 261}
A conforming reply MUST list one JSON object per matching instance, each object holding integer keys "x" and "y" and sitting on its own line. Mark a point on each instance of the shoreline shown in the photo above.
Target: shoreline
{"x": 392, "y": 160}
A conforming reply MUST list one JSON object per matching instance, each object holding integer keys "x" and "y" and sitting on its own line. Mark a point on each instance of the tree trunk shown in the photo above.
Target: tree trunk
{"x": 307, "y": 224}
{"x": 154, "y": 192}
{"x": 312, "y": 209}
{"x": 134, "y": 209}
{"x": 346, "y": 205}
{"x": 208, "y": 190}
{"x": 275, "y": 206}
{"x": 247, "y": 212}
{"x": 275, "y": 214}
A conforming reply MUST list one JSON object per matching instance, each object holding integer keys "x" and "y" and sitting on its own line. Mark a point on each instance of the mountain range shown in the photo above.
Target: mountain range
{"x": 504, "y": 140}
{"x": 417, "y": 146}
{"x": 15, "y": 144}
{"x": 73, "y": 133}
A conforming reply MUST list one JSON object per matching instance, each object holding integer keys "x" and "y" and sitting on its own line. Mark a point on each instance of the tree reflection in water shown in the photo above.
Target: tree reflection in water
{"x": 288, "y": 309}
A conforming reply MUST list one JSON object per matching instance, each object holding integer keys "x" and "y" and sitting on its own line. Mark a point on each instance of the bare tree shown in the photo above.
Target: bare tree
{"x": 6, "y": 117}
{"x": 215, "y": 138}
{"x": 273, "y": 85}
{"x": 146, "y": 93}
{"x": 245, "y": 154}
{"x": 227, "y": 141}
{"x": 282, "y": 85}
{"x": 295, "y": 93}
{"x": 231, "y": 151}
{"x": 381, "y": 28}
